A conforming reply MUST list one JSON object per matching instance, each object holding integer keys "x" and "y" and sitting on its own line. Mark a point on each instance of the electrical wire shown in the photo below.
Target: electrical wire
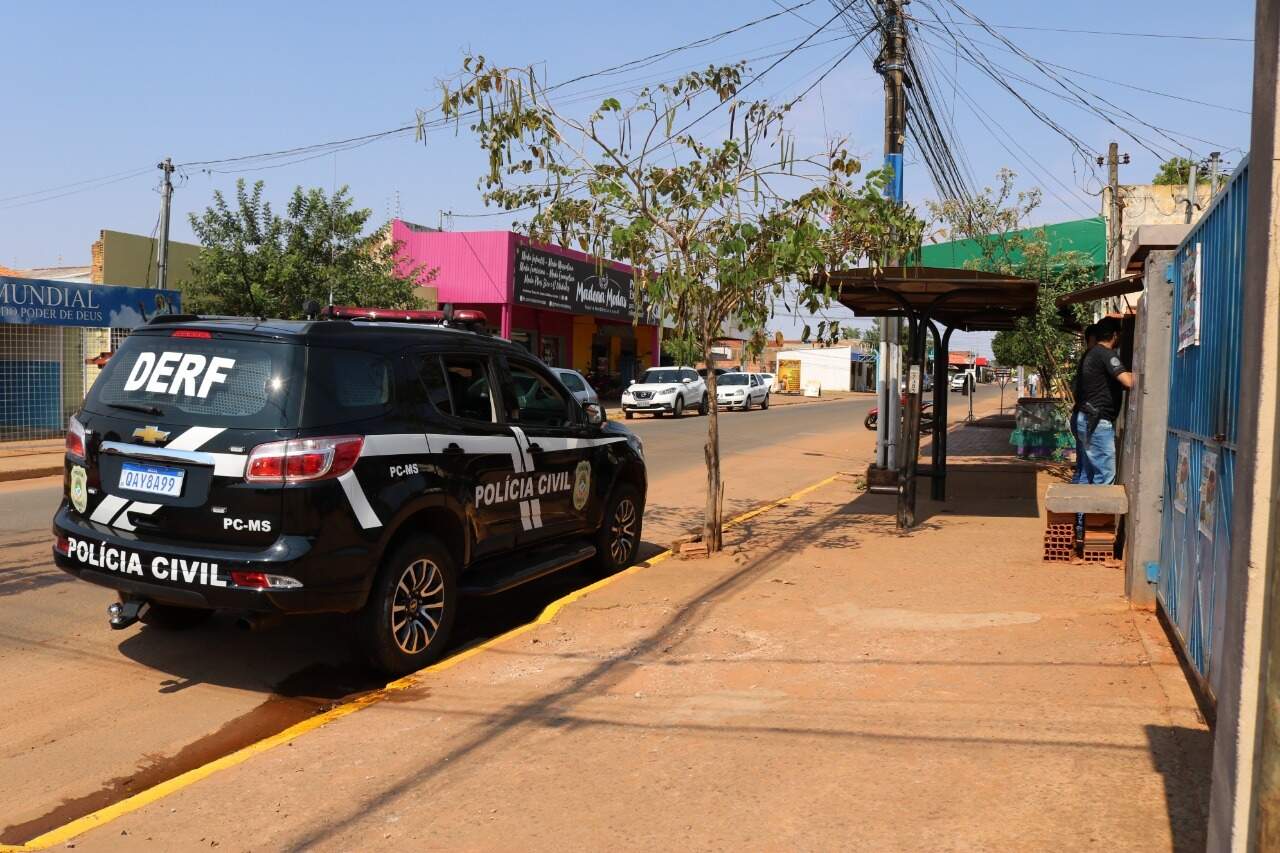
{"x": 1112, "y": 33}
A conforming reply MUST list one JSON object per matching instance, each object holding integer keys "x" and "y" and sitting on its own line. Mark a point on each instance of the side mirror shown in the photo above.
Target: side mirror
{"x": 595, "y": 413}
{"x": 686, "y": 380}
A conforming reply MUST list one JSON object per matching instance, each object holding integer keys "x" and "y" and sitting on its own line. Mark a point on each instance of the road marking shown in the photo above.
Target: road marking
{"x": 105, "y": 815}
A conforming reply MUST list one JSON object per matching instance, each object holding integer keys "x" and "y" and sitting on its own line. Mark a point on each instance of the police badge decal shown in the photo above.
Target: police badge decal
{"x": 79, "y": 488}
{"x": 581, "y": 485}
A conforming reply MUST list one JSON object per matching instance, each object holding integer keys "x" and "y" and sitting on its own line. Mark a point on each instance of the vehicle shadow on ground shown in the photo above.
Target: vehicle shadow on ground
{"x": 316, "y": 656}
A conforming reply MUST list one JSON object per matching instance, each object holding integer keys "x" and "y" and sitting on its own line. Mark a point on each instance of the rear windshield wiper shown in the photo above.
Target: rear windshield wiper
{"x": 138, "y": 407}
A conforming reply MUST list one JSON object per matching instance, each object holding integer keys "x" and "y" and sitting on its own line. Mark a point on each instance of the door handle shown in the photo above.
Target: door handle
{"x": 453, "y": 448}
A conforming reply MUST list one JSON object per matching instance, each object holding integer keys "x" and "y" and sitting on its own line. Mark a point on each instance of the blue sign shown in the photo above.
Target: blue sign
{"x": 41, "y": 302}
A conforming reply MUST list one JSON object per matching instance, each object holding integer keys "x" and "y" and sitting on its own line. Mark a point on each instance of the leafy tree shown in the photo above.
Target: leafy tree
{"x": 255, "y": 262}
{"x": 715, "y": 231}
{"x": 1176, "y": 171}
{"x": 1040, "y": 340}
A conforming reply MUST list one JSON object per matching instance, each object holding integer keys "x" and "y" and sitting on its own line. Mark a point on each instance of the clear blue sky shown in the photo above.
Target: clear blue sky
{"x": 95, "y": 90}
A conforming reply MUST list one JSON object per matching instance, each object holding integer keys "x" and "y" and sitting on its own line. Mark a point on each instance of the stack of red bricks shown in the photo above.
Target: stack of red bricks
{"x": 1060, "y": 537}
{"x": 1099, "y": 544}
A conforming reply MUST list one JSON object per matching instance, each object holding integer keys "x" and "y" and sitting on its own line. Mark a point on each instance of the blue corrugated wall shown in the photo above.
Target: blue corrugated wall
{"x": 1204, "y": 395}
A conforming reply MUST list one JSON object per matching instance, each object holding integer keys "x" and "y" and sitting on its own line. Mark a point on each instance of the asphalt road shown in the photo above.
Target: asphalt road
{"x": 93, "y": 715}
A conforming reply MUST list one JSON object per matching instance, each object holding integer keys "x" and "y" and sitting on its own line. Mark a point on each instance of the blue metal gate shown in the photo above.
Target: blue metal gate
{"x": 1204, "y": 394}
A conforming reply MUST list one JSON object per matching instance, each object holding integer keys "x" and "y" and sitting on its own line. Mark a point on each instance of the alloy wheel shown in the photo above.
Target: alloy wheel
{"x": 622, "y": 529}
{"x": 417, "y": 606}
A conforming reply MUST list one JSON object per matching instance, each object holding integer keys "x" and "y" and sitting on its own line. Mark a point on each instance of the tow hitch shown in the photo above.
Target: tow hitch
{"x": 125, "y": 613}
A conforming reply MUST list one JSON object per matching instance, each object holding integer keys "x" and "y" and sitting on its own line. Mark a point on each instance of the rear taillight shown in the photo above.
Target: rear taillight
{"x": 192, "y": 333}
{"x": 303, "y": 459}
{"x": 75, "y": 439}
{"x": 262, "y": 580}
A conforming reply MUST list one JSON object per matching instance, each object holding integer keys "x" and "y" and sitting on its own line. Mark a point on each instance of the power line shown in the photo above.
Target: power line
{"x": 1110, "y": 33}
{"x": 1144, "y": 89}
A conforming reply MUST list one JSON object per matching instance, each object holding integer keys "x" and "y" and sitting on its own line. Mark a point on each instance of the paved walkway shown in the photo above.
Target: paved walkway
{"x": 24, "y": 460}
{"x": 827, "y": 684}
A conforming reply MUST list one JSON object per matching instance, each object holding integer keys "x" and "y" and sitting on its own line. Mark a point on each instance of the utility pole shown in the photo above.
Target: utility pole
{"x": 1191, "y": 191}
{"x": 1215, "y": 157}
{"x": 162, "y": 246}
{"x": 891, "y": 64}
{"x": 1115, "y": 210}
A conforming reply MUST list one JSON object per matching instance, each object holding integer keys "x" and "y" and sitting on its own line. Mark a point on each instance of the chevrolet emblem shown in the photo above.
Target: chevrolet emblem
{"x": 150, "y": 434}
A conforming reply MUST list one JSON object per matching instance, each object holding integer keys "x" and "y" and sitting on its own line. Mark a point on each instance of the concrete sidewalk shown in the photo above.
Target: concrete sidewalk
{"x": 26, "y": 460}
{"x": 830, "y": 684}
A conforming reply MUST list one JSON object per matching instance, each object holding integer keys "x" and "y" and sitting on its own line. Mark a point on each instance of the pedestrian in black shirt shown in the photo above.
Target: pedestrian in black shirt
{"x": 1090, "y": 338}
{"x": 1101, "y": 384}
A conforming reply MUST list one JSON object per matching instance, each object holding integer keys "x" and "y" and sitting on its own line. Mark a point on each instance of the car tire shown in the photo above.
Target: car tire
{"x": 618, "y": 539}
{"x": 870, "y": 422}
{"x": 764, "y": 404}
{"x": 171, "y": 617}
{"x": 677, "y": 411}
{"x": 396, "y": 629}
{"x": 628, "y": 415}
{"x": 704, "y": 407}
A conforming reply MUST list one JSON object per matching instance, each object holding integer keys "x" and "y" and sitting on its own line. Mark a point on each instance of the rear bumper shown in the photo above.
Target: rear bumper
{"x": 195, "y": 577}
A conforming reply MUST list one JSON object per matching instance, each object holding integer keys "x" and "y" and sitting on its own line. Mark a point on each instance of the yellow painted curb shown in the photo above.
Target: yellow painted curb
{"x": 105, "y": 815}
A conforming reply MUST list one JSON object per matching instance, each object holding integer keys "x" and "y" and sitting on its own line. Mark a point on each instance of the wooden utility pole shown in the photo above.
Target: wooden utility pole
{"x": 162, "y": 245}
{"x": 1115, "y": 210}
{"x": 1191, "y": 191}
{"x": 891, "y": 64}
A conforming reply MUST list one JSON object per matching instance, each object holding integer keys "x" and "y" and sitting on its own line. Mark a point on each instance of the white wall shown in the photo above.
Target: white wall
{"x": 829, "y": 367}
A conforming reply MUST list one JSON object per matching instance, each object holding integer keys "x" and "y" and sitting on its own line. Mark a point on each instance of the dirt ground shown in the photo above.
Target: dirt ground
{"x": 828, "y": 683}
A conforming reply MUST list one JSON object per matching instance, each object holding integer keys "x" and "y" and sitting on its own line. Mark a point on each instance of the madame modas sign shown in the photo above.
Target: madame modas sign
{"x": 547, "y": 280}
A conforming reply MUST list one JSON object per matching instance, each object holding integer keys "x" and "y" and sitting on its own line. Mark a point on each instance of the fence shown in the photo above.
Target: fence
{"x": 44, "y": 374}
{"x": 1200, "y": 450}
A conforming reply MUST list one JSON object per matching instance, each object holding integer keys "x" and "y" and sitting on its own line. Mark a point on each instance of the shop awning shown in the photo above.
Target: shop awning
{"x": 1105, "y": 290}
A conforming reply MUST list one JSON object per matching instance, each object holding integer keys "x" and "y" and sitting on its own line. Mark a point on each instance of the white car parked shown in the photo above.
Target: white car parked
{"x": 663, "y": 390}
{"x": 577, "y": 384}
{"x": 742, "y": 391}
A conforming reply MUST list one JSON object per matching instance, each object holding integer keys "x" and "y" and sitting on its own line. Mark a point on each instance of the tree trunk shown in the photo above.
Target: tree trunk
{"x": 711, "y": 522}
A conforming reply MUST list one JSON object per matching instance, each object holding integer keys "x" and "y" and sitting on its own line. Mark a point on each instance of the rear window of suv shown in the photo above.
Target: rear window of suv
{"x": 241, "y": 383}
{"x": 196, "y": 381}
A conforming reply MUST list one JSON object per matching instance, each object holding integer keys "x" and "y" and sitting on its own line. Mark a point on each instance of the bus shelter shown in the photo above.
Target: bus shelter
{"x": 934, "y": 301}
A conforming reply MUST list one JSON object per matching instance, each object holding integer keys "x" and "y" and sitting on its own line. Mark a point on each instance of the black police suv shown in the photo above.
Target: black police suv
{"x": 363, "y": 466}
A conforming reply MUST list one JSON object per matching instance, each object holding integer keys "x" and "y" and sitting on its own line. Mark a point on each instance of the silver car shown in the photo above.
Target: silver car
{"x": 577, "y": 385}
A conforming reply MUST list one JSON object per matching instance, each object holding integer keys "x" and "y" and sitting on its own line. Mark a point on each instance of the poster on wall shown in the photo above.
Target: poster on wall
{"x": 548, "y": 280}
{"x": 1208, "y": 492}
{"x": 1189, "y": 301}
{"x": 1182, "y": 477}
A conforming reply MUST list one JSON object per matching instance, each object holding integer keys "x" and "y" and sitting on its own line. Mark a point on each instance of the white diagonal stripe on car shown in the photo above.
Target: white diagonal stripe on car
{"x": 107, "y": 509}
{"x": 194, "y": 438}
{"x": 123, "y": 522}
{"x": 359, "y": 503}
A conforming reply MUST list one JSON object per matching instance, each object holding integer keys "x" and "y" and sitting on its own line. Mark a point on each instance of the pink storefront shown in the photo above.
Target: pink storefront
{"x": 558, "y": 303}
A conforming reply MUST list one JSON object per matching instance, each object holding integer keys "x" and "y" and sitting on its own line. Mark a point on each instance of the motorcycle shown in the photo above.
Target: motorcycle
{"x": 926, "y": 416}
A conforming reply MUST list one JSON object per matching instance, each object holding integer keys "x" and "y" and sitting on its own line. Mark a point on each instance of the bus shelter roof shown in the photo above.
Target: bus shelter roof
{"x": 969, "y": 300}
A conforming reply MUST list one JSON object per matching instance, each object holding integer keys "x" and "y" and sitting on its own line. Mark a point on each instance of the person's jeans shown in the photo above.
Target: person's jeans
{"x": 1098, "y": 463}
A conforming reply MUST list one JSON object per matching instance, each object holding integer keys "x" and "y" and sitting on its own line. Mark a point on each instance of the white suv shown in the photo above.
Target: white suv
{"x": 666, "y": 389}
